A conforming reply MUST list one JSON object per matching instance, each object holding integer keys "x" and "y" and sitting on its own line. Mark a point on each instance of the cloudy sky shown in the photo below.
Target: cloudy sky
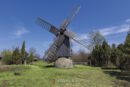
{"x": 17, "y": 21}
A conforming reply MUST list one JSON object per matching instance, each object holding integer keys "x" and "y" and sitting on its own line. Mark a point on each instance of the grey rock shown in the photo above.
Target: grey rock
{"x": 64, "y": 63}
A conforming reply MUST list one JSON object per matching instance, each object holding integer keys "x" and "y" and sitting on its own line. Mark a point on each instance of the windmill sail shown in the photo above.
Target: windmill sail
{"x": 83, "y": 42}
{"x": 49, "y": 27}
{"x": 70, "y": 17}
{"x": 50, "y": 55}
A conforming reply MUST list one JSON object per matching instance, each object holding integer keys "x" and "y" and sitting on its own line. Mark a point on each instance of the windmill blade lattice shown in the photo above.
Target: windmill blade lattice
{"x": 70, "y": 17}
{"x": 84, "y": 42}
{"x": 72, "y": 35}
{"x": 50, "y": 55}
{"x": 49, "y": 27}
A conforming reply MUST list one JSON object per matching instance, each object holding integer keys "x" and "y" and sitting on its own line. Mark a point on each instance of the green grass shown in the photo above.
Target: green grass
{"x": 39, "y": 75}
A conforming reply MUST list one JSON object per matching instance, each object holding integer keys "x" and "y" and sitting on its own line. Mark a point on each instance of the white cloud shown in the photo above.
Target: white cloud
{"x": 128, "y": 20}
{"x": 114, "y": 29}
{"x": 20, "y": 31}
{"x": 108, "y": 31}
{"x": 105, "y": 32}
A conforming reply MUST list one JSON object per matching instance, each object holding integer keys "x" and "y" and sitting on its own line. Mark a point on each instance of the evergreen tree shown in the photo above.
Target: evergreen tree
{"x": 16, "y": 56}
{"x": 96, "y": 57}
{"x": 116, "y": 55}
{"x": 30, "y": 58}
{"x": 101, "y": 54}
{"x": 106, "y": 53}
{"x": 127, "y": 46}
{"x": 120, "y": 47}
{"x": 23, "y": 53}
{"x": 32, "y": 55}
{"x": 126, "y": 50}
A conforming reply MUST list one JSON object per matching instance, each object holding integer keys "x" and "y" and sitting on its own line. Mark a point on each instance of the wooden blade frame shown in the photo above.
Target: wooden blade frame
{"x": 70, "y": 17}
{"x": 49, "y": 27}
{"x": 50, "y": 55}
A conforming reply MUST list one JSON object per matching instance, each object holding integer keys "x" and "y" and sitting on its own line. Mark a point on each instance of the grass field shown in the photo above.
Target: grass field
{"x": 43, "y": 75}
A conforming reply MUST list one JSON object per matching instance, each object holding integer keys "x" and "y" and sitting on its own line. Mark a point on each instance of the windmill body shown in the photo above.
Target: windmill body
{"x": 65, "y": 49}
{"x": 61, "y": 46}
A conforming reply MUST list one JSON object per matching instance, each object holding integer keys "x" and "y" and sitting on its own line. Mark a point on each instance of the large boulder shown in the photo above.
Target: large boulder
{"x": 64, "y": 63}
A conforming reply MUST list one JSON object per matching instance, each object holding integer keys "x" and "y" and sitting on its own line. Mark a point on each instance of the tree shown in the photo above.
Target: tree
{"x": 114, "y": 55}
{"x": 127, "y": 46}
{"x": 30, "y": 58}
{"x": 23, "y": 53}
{"x": 106, "y": 53}
{"x": 101, "y": 54}
{"x": 126, "y": 50}
{"x": 117, "y": 55}
{"x": 32, "y": 55}
{"x": 95, "y": 39}
{"x": 6, "y": 56}
{"x": 96, "y": 56}
{"x": 16, "y": 56}
{"x": 120, "y": 47}
{"x": 81, "y": 57}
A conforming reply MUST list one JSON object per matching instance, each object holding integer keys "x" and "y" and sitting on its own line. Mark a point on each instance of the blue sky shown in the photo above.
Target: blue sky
{"x": 17, "y": 21}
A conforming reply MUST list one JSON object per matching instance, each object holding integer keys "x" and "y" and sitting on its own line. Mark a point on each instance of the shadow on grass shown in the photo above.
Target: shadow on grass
{"x": 110, "y": 68}
{"x": 49, "y": 66}
{"x": 121, "y": 75}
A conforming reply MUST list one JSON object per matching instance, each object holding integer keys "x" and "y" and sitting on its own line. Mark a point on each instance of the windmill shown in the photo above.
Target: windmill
{"x": 61, "y": 46}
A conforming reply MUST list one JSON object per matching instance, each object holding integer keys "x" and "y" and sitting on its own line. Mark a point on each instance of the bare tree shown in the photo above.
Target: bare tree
{"x": 95, "y": 38}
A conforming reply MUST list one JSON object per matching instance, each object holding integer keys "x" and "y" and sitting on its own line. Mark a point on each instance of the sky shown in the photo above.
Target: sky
{"x": 18, "y": 21}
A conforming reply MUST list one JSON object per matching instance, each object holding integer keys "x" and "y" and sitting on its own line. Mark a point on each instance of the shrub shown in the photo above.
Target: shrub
{"x": 6, "y": 56}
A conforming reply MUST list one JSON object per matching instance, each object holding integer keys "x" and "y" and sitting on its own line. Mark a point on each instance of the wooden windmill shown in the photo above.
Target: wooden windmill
{"x": 61, "y": 46}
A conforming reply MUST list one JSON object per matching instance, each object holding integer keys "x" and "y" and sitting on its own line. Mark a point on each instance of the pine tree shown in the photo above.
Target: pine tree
{"x": 16, "y": 56}
{"x": 101, "y": 54}
{"x": 30, "y": 58}
{"x": 121, "y": 47}
{"x": 23, "y": 53}
{"x": 23, "y": 49}
{"x": 127, "y": 46}
{"x": 116, "y": 55}
{"x": 96, "y": 56}
{"x": 126, "y": 50}
{"x": 32, "y": 55}
{"x": 106, "y": 53}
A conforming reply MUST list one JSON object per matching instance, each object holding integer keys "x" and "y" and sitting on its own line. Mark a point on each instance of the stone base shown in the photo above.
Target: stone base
{"x": 64, "y": 63}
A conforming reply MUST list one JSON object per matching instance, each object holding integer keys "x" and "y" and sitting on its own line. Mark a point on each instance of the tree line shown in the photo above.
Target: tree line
{"x": 18, "y": 55}
{"x": 104, "y": 55}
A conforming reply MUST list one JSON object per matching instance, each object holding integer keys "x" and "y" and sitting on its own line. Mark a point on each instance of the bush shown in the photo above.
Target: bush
{"x": 16, "y": 56}
{"x": 6, "y": 57}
